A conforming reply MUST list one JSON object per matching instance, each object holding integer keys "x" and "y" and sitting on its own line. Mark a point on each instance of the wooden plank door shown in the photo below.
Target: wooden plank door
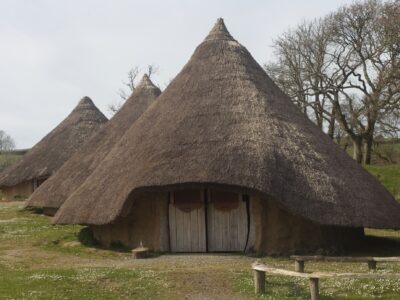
{"x": 187, "y": 224}
{"x": 227, "y": 222}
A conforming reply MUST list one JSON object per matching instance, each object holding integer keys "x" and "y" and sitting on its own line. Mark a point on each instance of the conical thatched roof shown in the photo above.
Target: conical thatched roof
{"x": 55, "y": 148}
{"x": 223, "y": 121}
{"x": 55, "y": 190}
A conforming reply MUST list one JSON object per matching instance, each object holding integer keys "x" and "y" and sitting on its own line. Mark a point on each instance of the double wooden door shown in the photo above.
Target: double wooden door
{"x": 207, "y": 220}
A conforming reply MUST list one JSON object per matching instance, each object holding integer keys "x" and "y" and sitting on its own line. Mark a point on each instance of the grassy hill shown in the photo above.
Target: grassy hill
{"x": 389, "y": 176}
{"x": 10, "y": 158}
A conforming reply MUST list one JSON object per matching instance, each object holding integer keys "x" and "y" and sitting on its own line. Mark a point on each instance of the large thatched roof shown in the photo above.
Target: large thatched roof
{"x": 55, "y": 148}
{"x": 223, "y": 121}
{"x": 70, "y": 176}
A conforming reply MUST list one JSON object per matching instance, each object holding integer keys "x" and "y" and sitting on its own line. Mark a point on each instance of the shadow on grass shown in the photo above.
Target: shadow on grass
{"x": 380, "y": 246}
{"x": 34, "y": 210}
{"x": 87, "y": 239}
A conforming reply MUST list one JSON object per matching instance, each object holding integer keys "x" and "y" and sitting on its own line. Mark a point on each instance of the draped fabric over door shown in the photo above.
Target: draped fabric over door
{"x": 207, "y": 220}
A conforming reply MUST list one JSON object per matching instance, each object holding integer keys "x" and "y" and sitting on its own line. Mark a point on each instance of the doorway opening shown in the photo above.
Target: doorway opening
{"x": 208, "y": 220}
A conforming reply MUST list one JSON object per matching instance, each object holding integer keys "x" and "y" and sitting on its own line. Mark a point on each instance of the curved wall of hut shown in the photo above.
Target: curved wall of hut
{"x": 20, "y": 191}
{"x": 23, "y": 190}
{"x": 155, "y": 221}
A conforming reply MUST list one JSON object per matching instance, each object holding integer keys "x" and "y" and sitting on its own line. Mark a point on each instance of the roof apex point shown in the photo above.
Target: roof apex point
{"x": 146, "y": 82}
{"x": 86, "y": 101}
{"x": 219, "y": 32}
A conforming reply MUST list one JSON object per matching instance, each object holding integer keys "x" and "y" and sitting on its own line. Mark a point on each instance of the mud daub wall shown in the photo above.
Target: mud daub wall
{"x": 49, "y": 211}
{"x": 272, "y": 230}
{"x": 17, "y": 192}
{"x": 146, "y": 222}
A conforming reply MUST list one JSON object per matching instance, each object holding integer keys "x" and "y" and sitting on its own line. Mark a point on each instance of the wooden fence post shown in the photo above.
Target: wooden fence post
{"x": 259, "y": 271}
{"x": 259, "y": 281}
{"x": 314, "y": 288}
{"x": 299, "y": 266}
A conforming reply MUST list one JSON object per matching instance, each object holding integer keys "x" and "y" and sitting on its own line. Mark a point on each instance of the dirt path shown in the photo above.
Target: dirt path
{"x": 201, "y": 276}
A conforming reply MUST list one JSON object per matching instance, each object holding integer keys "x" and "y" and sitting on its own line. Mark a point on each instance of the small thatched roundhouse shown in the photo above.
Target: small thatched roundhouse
{"x": 20, "y": 180}
{"x": 52, "y": 194}
{"x": 224, "y": 161}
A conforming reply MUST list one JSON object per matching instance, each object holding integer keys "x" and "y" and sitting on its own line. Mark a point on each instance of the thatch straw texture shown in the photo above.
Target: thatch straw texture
{"x": 223, "y": 121}
{"x": 70, "y": 176}
{"x": 48, "y": 155}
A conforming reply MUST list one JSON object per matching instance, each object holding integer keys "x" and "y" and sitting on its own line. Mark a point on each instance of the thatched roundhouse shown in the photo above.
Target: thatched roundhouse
{"x": 225, "y": 162}
{"x": 52, "y": 194}
{"x": 20, "y": 180}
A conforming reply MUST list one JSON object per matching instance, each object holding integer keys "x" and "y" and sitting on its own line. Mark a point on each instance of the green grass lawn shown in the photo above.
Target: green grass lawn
{"x": 39, "y": 260}
{"x": 79, "y": 283}
{"x": 389, "y": 176}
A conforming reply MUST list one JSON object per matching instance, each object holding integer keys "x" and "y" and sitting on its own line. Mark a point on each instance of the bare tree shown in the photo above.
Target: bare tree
{"x": 345, "y": 68}
{"x": 302, "y": 61}
{"x": 364, "y": 30}
{"x": 130, "y": 85}
{"x": 152, "y": 69}
{"x": 6, "y": 146}
{"x": 6, "y": 142}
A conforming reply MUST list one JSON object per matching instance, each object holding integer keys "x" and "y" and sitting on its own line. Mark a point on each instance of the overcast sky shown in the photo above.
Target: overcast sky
{"x": 54, "y": 52}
